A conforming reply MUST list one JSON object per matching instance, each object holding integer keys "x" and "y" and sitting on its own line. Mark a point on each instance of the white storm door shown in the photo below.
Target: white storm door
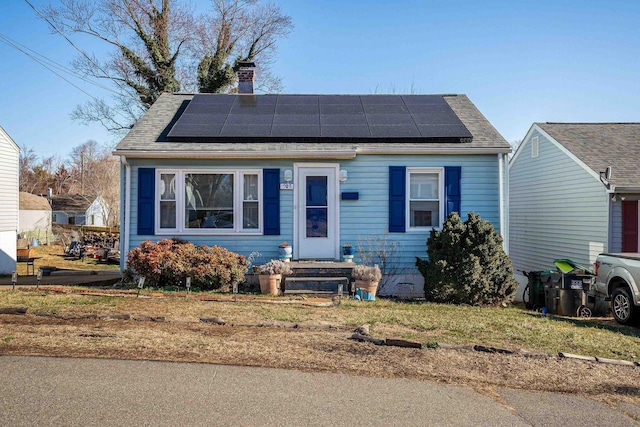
{"x": 316, "y": 212}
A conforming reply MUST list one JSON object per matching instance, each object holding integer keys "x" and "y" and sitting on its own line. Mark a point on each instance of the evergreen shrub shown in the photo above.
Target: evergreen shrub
{"x": 467, "y": 264}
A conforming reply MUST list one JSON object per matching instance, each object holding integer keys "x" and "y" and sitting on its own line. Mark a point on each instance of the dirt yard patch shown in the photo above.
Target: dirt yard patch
{"x": 53, "y": 255}
{"x": 154, "y": 328}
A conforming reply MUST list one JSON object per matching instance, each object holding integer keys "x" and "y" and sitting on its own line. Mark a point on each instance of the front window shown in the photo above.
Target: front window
{"x": 209, "y": 202}
{"x": 425, "y": 207}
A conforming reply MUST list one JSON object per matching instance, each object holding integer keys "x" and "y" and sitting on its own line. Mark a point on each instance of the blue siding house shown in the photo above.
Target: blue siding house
{"x": 248, "y": 172}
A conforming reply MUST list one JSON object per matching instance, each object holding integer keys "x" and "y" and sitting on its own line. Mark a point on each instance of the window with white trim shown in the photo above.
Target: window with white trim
{"x": 425, "y": 191}
{"x": 209, "y": 202}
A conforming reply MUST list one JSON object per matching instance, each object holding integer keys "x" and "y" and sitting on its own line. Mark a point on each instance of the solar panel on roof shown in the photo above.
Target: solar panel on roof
{"x": 198, "y": 119}
{"x": 341, "y": 109}
{"x": 296, "y": 131}
{"x": 249, "y": 119}
{"x": 197, "y": 130}
{"x": 212, "y": 117}
{"x": 389, "y": 119}
{"x": 343, "y": 119}
{"x": 345, "y": 131}
{"x": 246, "y": 130}
{"x": 385, "y": 109}
{"x": 297, "y": 108}
{"x": 296, "y": 119}
{"x": 253, "y": 109}
{"x": 394, "y": 131}
{"x": 208, "y": 109}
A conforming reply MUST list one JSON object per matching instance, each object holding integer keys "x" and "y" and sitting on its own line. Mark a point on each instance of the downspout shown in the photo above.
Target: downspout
{"x": 127, "y": 209}
{"x": 501, "y": 191}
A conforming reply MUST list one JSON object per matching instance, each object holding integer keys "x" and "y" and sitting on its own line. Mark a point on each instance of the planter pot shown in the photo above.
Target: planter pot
{"x": 347, "y": 258}
{"x": 270, "y": 283}
{"x": 367, "y": 287}
{"x": 348, "y": 250}
{"x": 286, "y": 251}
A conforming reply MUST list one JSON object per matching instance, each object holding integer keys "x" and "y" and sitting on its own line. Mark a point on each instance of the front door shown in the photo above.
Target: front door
{"x": 630, "y": 226}
{"x": 316, "y": 212}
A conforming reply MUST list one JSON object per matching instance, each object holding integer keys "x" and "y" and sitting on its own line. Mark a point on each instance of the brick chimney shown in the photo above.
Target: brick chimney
{"x": 246, "y": 75}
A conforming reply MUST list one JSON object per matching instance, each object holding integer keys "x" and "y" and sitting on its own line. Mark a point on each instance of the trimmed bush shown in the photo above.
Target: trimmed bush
{"x": 170, "y": 261}
{"x": 467, "y": 264}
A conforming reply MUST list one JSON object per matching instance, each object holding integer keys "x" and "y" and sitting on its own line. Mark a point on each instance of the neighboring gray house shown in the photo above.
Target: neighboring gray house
{"x": 561, "y": 204}
{"x": 247, "y": 172}
{"x": 9, "y": 166}
{"x": 78, "y": 209}
{"x": 35, "y": 217}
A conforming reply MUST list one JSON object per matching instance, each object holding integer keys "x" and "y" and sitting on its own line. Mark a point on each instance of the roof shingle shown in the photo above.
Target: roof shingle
{"x": 600, "y": 145}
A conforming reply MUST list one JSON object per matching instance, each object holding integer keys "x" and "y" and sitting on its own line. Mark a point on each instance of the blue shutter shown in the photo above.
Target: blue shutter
{"x": 271, "y": 194}
{"x": 146, "y": 200}
{"x": 452, "y": 175}
{"x": 397, "y": 199}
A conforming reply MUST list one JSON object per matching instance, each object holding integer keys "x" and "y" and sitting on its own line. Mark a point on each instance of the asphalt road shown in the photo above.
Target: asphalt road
{"x": 37, "y": 391}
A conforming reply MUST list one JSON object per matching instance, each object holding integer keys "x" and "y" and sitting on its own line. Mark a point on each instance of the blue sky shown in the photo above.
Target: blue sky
{"x": 519, "y": 62}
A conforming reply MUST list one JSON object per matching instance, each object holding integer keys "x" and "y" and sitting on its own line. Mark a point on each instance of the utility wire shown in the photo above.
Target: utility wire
{"x": 22, "y": 48}
{"x": 52, "y": 70}
{"x": 124, "y": 89}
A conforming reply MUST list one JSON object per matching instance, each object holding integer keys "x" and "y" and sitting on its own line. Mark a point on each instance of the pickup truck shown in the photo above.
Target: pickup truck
{"x": 618, "y": 276}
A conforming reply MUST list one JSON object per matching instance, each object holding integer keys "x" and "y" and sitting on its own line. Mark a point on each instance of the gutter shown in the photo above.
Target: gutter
{"x": 277, "y": 154}
{"x": 127, "y": 211}
{"x": 304, "y": 154}
{"x": 616, "y": 189}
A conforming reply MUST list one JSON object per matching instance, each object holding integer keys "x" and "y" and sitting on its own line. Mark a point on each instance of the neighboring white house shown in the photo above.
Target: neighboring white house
{"x": 35, "y": 217}
{"x": 9, "y": 166}
{"x": 78, "y": 209}
{"x": 561, "y": 204}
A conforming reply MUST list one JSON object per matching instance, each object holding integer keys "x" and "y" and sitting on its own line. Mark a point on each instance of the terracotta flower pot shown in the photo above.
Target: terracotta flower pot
{"x": 270, "y": 283}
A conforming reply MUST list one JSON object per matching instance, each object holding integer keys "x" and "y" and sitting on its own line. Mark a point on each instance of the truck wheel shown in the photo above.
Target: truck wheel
{"x": 622, "y": 306}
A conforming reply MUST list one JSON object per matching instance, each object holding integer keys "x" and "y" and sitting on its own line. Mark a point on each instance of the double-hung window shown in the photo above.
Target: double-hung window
{"x": 425, "y": 206}
{"x": 209, "y": 202}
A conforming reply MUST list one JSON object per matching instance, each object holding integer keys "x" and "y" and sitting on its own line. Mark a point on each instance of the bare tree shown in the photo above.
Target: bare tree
{"x": 238, "y": 30}
{"x": 514, "y": 146}
{"x": 157, "y": 44}
{"x": 147, "y": 37}
{"x": 96, "y": 174}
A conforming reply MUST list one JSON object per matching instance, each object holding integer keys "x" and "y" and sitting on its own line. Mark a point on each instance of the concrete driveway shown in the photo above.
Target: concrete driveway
{"x": 37, "y": 391}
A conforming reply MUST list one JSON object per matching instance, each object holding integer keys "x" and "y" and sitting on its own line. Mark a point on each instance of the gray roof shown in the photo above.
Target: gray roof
{"x": 599, "y": 145}
{"x": 150, "y": 136}
{"x": 71, "y": 202}
{"x": 32, "y": 202}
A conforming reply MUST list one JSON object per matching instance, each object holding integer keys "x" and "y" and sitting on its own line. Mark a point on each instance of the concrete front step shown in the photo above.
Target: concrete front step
{"x": 326, "y": 284}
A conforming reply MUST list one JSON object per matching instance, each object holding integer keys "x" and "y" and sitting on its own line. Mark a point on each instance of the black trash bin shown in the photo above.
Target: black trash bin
{"x": 533, "y": 296}
{"x": 564, "y": 292}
